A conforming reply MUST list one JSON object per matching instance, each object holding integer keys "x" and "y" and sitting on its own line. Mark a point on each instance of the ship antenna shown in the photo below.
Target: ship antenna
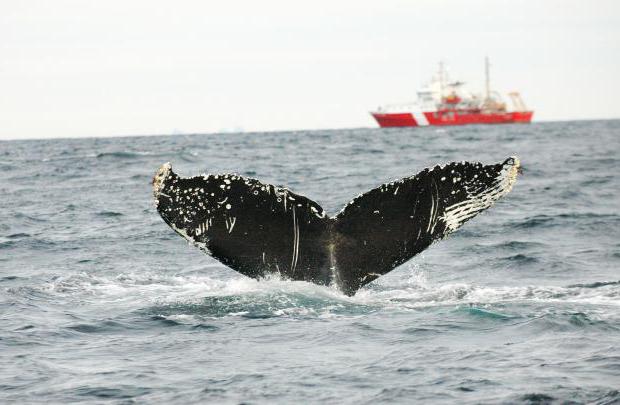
{"x": 487, "y": 77}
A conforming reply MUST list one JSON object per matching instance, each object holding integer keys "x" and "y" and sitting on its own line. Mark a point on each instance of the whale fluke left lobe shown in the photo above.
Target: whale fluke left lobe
{"x": 252, "y": 227}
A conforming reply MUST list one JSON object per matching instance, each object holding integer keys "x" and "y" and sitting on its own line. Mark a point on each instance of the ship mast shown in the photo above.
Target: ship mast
{"x": 441, "y": 79}
{"x": 487, "y": 77}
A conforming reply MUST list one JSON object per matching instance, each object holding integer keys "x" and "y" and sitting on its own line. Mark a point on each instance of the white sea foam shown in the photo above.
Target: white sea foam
{"x": 301, "y": 299}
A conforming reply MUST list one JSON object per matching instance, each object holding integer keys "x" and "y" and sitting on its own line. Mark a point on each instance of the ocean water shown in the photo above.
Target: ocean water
{"x": 100, "y": 301}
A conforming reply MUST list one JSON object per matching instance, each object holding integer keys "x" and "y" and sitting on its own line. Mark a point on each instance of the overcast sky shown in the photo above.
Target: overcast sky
{"x": 102, "y": 68}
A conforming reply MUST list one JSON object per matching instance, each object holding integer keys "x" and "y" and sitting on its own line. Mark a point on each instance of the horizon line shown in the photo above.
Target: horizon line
{"x": 225, "y": 132}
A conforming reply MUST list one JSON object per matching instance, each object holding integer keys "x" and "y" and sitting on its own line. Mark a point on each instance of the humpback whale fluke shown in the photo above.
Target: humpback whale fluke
{"x": 258, "y": 228}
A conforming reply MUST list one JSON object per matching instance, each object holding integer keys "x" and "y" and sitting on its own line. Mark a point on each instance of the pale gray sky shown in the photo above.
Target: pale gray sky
{"x": 100, "y": 68}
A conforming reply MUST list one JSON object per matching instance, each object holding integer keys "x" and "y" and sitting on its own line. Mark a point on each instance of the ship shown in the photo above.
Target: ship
{"x": 445, "y": 102}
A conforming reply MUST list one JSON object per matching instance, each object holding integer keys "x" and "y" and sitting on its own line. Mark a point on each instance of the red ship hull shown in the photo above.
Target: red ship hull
{"x": 446, "y": 118}
{"x": 395, "y": 120}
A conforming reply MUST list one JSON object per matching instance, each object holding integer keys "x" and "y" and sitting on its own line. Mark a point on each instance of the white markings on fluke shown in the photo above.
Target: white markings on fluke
{"x": 230, "y": 223}
{"x": 317, "y": 213}
{"x": 431, "y": 214}
{"x": 435, "y": 197}
{"x": 455, "y": 215}
{"x": 295, "y": 242}
{"x": 159, "y": 180}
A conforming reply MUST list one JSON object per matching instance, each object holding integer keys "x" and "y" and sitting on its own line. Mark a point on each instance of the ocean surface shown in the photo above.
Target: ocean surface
{"x": 100, "y": 301}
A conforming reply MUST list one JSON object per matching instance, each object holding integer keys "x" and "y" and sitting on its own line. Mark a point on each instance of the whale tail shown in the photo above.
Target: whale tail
{"x": 258, "y": 229}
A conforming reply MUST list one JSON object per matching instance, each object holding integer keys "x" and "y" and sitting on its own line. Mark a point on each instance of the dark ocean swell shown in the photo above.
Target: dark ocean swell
{"x": 100, "y": 302}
